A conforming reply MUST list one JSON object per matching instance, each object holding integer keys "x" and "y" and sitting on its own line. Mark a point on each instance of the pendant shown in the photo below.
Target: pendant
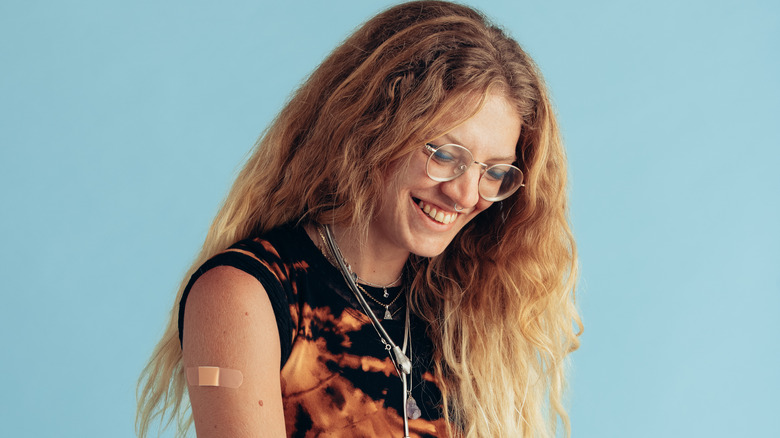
{"x": 385, "y": 293}
{"x": 388, "y": 315}
{"x": 412, "y": 410}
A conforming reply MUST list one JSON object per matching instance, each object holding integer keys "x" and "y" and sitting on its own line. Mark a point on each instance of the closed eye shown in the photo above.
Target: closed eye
{"x": 496, "y": 173}
{"x": 443, "y": 156}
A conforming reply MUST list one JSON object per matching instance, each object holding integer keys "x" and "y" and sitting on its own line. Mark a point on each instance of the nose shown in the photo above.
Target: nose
{"x": 464, "y": 190}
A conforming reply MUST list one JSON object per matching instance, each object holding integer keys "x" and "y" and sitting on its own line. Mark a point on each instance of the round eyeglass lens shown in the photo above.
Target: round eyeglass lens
{"x": 500, "y": 181}
{"x": 448, "y": 162}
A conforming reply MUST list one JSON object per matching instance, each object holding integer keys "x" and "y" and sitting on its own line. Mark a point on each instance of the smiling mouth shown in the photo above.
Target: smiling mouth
{"x": 441, "y": 217}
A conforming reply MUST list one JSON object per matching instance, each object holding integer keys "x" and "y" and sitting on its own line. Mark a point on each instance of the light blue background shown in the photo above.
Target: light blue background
{"x": 123, "y": 123}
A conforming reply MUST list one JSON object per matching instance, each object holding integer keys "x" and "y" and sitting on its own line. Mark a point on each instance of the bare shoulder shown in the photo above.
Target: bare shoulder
{"x": 233, "y": 302}
{"x": 229, "y": 323}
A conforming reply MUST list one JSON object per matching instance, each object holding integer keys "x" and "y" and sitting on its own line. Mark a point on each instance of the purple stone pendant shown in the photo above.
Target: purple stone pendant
{"x": 412, "y": 410}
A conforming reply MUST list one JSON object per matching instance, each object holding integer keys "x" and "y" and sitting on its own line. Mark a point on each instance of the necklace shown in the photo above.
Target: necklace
{"x": 330, "y": 256}
{"x": 384, "y": 288}
{"x": 412, "y": 410}
{"x": 387, "y": 315}
{"x": 403, "y": 364}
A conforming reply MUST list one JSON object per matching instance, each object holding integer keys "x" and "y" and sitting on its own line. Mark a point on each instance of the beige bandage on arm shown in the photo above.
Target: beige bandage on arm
{"x": 214, "y": 376}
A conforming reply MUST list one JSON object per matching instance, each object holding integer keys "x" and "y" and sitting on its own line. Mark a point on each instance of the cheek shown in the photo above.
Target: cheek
{"x": 482, "y": 205}
{"x": 413, "y": 181}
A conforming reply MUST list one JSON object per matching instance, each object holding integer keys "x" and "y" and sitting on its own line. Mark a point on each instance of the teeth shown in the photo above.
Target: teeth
{"x": 438, "y": 216}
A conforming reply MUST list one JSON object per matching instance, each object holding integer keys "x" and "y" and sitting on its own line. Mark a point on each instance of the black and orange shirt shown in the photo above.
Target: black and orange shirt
{"x": 336, "y": 376}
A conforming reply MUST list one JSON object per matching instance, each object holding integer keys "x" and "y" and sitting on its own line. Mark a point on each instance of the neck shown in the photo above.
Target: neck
{"x": 370, "y": 260}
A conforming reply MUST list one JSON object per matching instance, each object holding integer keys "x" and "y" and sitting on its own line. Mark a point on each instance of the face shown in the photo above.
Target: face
{"x": 418, "y": 214}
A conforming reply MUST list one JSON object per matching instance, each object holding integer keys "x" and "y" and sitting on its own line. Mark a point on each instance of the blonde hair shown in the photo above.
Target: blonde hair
{"x": 502, "y": 327}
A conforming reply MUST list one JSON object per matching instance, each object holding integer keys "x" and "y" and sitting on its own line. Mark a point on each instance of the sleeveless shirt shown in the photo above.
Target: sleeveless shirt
{"x": 337, "y": 378}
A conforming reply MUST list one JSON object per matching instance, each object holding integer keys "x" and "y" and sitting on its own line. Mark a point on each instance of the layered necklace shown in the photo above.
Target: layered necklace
{"x": 402, "y": 363}
{"x": 385, "y": 293}
{"x": 358, "y": 280}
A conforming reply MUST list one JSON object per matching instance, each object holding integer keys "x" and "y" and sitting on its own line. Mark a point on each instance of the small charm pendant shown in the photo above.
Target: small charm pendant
{"x": 385, "y": 293}
{"x": 412, "y": 410}
{"x": 388, "y": 315}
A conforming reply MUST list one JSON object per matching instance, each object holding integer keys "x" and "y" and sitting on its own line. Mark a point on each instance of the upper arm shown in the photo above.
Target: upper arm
{"x": 229, "y": 323}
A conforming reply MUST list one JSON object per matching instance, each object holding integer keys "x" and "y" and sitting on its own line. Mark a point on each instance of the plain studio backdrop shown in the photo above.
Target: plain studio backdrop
{"x": 123, "y": 123}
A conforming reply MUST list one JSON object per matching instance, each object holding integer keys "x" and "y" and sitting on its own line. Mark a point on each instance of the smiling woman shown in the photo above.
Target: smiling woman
{"x": 394, "y": 259}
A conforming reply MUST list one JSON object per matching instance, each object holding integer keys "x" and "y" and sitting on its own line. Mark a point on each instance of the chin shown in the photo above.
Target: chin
{"x": 427, "y": 253}
{"x": 430, "y": 249}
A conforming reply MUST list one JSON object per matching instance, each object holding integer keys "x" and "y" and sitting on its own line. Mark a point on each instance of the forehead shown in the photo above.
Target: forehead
{"x": 491, "y": 133}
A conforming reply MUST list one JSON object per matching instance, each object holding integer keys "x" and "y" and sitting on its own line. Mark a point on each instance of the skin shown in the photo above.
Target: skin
{"x": 229, "y": 321}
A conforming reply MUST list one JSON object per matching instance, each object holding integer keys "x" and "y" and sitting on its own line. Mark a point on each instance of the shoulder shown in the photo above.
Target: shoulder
{"x": 227, "y": 300}
{"x": 277, "y": 250}
{"x": 225, "y": 284}
{"x": 267, "y": 258}
{"x": 252, "y": 272}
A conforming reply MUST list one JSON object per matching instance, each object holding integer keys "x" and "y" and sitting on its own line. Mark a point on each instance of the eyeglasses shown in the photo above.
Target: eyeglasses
{"x": 449, "y": 161}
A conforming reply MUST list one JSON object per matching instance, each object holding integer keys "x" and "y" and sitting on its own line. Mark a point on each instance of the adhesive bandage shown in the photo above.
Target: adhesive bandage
{"x": 214, "y": 376}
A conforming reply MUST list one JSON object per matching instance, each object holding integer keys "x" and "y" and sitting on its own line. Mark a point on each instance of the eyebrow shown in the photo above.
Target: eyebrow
{"x": 454, "y": 140}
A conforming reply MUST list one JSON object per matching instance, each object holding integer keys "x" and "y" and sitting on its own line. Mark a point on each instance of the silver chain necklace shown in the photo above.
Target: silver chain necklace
{"x": 403, "y": 364}
{"x": 385, "y": 293}
{"x": 358, "y": 280}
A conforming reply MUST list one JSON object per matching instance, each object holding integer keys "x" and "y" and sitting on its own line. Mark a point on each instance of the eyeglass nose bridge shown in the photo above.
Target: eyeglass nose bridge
{"x": 464, "y": 167}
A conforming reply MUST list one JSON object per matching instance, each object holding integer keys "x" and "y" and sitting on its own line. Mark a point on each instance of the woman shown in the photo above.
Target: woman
{"x": 394, "y": 259}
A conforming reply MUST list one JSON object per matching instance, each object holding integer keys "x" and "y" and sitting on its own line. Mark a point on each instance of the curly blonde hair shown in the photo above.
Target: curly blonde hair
{"x": 502, "y": 328}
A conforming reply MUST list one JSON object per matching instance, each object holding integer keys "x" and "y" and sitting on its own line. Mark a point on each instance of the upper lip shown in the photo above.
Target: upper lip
{"x": 437, "y": 206}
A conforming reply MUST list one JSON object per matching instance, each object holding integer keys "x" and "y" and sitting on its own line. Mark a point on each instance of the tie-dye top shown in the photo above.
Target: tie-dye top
{"x": 336, "y": 376}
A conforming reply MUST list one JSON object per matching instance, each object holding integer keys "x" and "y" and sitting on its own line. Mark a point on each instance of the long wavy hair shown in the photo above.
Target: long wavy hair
{"x": 502, "y": 327}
